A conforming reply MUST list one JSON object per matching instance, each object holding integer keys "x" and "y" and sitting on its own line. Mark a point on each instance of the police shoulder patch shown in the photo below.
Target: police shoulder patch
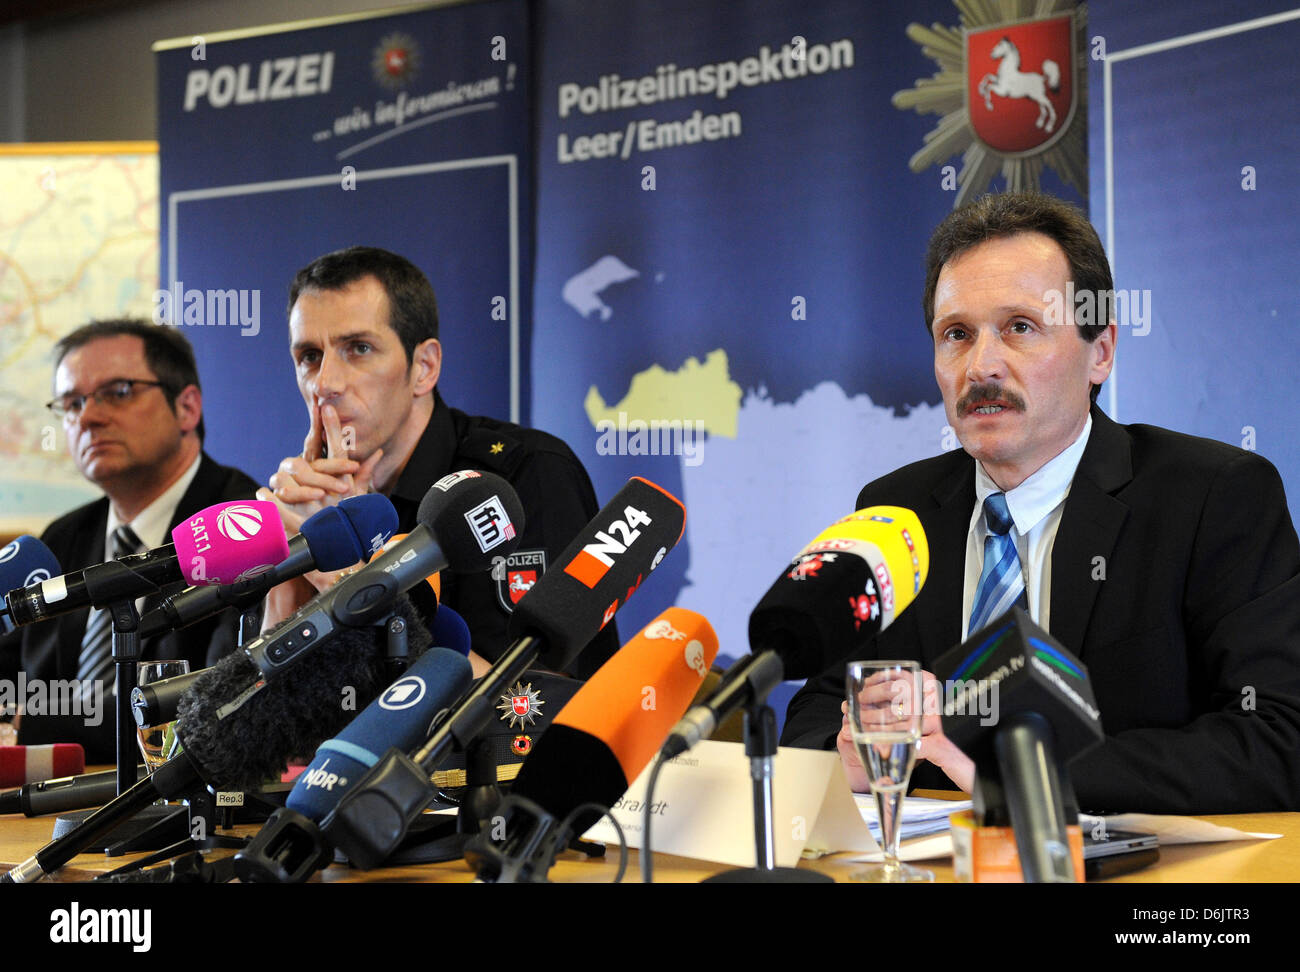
{"x": 516, "y": 574}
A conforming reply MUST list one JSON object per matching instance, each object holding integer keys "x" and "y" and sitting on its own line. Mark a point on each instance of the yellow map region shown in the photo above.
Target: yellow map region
{"x": 693, "y": 393}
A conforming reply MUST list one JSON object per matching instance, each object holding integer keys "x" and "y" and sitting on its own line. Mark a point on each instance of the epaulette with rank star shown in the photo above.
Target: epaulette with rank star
{"x": 491, "y": 450}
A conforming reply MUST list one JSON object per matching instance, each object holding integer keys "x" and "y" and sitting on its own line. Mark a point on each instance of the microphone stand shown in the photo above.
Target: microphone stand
{"x": 114, "y": 586}
{"x": 760, "y": 747}
{"x": 291, "y": 847}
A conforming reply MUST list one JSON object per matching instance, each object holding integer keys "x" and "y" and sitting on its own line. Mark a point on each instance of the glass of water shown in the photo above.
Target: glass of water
{"x": 158, "y": 743}
{"x": 885, "y": 712}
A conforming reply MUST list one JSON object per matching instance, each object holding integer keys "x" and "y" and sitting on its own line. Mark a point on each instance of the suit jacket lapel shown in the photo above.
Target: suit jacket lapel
{"x": 204, "y": 490}
{"x": 938, "y": 618}
{"x": 87, "y": 550}
{"x": 1090, "y": 525}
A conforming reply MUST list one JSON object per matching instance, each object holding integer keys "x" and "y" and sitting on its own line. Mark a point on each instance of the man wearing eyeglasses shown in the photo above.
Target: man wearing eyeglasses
{"x": 127, "y": 392}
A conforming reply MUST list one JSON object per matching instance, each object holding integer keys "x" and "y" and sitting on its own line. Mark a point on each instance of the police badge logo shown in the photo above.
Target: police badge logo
{"x": 1020, "y": 93}
{"x": 517, "y": 575}
{"x": 1011, "y": 96}
{"x": 396, "y": 61}
{"x": 521, "y": 706}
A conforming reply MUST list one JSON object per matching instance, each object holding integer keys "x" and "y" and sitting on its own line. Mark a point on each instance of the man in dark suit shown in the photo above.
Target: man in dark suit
{"x": 128, "y": 394}
{"x": 1167, "y": 563}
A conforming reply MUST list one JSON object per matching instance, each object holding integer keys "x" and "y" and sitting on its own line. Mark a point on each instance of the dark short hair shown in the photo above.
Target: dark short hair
{"x": 167, "y": 352}
{"x": 413, "y": 309}
{"x": 998, "y": 215}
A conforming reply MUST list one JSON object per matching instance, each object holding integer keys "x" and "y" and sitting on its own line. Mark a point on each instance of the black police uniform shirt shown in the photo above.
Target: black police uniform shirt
{"x": 558, "y": 501}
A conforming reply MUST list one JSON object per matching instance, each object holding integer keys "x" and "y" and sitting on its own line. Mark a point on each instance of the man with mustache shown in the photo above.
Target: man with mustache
{"x": 1169, "y": 564}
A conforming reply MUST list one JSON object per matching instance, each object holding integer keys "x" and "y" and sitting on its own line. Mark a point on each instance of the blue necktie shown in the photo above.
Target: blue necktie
{"x": 1001, "y": 583}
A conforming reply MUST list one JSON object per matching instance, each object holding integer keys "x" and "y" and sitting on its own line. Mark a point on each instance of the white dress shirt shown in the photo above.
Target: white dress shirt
{"x": 1035, "y": 506}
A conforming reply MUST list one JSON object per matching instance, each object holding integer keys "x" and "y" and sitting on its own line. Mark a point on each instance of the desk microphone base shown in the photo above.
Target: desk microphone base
{"x": 777, "y": 875}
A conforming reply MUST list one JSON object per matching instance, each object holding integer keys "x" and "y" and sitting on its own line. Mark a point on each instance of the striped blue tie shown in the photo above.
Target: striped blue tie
{"x": 96, "y": 660}
{"x": 1001, "y": 583}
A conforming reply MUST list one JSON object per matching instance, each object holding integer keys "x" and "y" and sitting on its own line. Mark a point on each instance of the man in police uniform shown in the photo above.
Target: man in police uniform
{"x": 363, "y": 327}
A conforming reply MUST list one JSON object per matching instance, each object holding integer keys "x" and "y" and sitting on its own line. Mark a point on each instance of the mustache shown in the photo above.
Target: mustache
{"x": 979, "y": 395}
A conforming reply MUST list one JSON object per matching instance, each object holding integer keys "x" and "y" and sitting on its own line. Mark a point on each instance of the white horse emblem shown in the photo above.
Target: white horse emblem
{"x": 1011, "y": 82}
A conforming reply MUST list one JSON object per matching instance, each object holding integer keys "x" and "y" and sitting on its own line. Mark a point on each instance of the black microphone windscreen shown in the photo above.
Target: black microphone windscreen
{"x": 600, "y": 569}
{"x": 292, "y": 714}
{"x": 549, "y": 779}
{"x": 810, "y": 616}
{"x": 475, "y": 516}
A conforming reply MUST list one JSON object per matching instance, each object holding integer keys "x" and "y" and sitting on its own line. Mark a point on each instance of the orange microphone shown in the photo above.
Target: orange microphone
{"x": 626, "y": 709}
{"x": 598, "y": 744}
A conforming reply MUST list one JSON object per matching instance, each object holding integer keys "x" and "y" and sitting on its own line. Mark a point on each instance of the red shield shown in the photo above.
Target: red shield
{"x": 1020, "y": 91}
{"x": 521, "y": 582}
{"x": 519, "y": 704}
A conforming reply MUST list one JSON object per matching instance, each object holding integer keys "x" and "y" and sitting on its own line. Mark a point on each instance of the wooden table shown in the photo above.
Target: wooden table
{"x": 1229, "y": 862}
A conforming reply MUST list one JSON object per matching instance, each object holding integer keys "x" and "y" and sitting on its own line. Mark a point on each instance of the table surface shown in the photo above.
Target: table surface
{"x": 1226, "y": 862}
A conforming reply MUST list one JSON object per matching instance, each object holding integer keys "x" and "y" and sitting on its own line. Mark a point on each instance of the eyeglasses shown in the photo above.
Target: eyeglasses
{"x": 114, "y": 394}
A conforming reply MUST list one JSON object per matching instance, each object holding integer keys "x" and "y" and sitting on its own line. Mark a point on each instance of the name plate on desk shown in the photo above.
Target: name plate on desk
{"x": 704, "y": 807}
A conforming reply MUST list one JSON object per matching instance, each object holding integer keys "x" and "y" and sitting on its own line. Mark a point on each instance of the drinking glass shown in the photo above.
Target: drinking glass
{"x": 158, "y": 743}
{"x": 885, "y": 713}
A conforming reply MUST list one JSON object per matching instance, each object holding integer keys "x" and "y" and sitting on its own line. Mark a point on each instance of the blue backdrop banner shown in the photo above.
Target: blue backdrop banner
{"x": 407, "y": 132}
{"x": 733, "y": 206}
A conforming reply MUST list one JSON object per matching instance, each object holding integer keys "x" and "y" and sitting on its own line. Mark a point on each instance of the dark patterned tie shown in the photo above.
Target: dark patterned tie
{"x": 96, "y": 659}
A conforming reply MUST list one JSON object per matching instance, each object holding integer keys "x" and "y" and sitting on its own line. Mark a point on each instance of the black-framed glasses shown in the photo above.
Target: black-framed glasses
{"x": 114, "y": 394}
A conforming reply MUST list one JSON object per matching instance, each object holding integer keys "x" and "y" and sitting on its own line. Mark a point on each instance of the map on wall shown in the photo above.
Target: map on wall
{"x": 78, "y": 241}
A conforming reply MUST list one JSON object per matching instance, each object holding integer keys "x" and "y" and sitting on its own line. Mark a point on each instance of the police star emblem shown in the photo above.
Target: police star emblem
{"x": 1010, "y": 96}
{"x": 396, "y": 61}
{"x": 522, "y": 706}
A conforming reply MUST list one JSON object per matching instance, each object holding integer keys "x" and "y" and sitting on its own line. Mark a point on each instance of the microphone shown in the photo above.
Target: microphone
{"x": 838, "y": 592}
{"x": 401, "y": 716}
{"x": 339, "y": 533}
{"x": 214, "y": 546}
{"x": 598, "y": 744}
{"x": 23, "y": 562}
{"x": 237, "y": 730}
{"x": 603, "y": 567}
{"x": 330, "y": 539}
{"x": 1022, "y": 708}
{"x": 63, "y": 794}
{"x": 423, "y": 596}
{"x": 595, "y": 575}
{"x": 465, "y": 519}
{"x": 289, "y": 847}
